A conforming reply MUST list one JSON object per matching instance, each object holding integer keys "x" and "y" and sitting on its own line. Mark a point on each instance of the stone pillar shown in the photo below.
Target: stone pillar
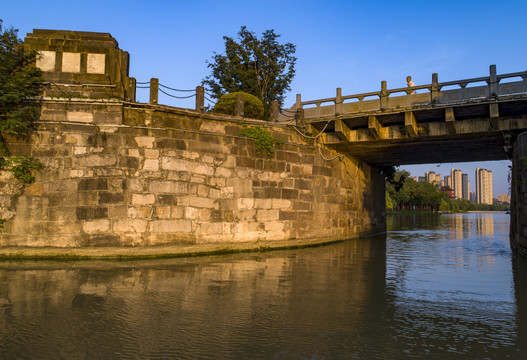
{"x": 200, "y": 98}
{"x": 518, "y": 230}
{"x": 238, "y": 110}
{"x": 383, "y": 95}
{"x": 299, "y": 116}
{"x": 298, "y": 104}
{"x": 274, "y": 111}
{"x": 338, "y": 102}
{"x": 434, "y": 91}
{"x": 493, "y": 84}
{"x": 154, "y": 90}
{"x": 130, "y": 90}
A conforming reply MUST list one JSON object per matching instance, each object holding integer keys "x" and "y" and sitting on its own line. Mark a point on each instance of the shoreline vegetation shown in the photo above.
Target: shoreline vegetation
{"x": 405, "y": 194}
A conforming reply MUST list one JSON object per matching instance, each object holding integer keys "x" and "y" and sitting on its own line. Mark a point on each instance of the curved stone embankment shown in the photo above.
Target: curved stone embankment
{"x": 156, "y": 252}
{"x": 135, "y": 175}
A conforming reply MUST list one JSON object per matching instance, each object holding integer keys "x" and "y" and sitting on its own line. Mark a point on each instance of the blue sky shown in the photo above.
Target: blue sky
{"x": 353, "y": 45}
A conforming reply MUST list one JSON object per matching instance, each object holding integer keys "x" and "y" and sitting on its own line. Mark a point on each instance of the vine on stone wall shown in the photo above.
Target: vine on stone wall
{"x": 21, "y": 167}
{"x": 263, "y": 140}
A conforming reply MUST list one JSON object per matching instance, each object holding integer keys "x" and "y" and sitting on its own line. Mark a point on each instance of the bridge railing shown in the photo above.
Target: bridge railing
{"x": 435, "y": 94}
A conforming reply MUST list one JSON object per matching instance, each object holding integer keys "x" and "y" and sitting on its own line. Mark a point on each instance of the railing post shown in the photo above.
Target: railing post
{"x": 384, "y": 95}
{"x": 154, "y": 90}
{"x": 274, "y": 110}
{"x": 238, "y": 110}
{"x": 493, "y": 84}
{"x": 434, "y": 91}
{"x": 298, "y": 104}
{"x": 338, "y": 102}
{"x": 299, "y": 116}
{"x": 130, "y": 89}
{"x": 200, "y": 98}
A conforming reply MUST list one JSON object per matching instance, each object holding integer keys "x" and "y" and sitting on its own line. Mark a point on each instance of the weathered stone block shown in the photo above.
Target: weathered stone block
{"x": 289, "y": 194}
{"x": 91, "y": 212}
{"x": 171, "y": 226}
{"x": 245, "y": 203}
{"x": 143, "y": 199}
{"x": 110, "y": 198}
{"x": 96, "y": 226}
{"x": 151, "y": 153}
{"x": 169, "y": 187}
{"x": 145, "y": 141}
{"x": 92, "y": 184}
{"x": 268, "y": 215}
{"x": 130, "y": 226}
{"x": 280, "y": 203}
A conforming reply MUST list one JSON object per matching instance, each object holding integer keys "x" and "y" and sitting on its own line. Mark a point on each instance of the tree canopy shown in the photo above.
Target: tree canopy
{"x": 261, "y": 67}
{"x": 20, "y": 82}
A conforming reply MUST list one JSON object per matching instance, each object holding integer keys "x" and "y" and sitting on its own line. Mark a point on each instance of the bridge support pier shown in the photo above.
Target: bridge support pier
{"x": 518, "y": 230}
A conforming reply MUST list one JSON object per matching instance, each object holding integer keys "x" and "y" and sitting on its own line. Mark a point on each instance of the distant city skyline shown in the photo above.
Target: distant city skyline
{"x": 500, "y": 184}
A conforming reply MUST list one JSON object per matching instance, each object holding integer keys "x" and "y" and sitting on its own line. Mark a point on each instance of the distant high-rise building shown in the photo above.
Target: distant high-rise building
{"x": 430, "y": 176}
{"x": 504, "y": 198}
{"x": 433, "y": 178}
{"x": 483, "y": 186}
{"x": 473, "y": 196}
{"x": 465, "y": 187}
{"x": 448, "y": 181}
{"x": 457, "y": 185}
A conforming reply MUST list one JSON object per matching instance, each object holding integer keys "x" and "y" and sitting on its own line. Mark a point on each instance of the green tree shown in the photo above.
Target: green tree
{"x": 20, "y": 83}
{"x": 261, "y": 67}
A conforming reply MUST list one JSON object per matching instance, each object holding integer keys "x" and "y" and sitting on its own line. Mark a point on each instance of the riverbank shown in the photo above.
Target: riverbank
{"x": 156, "y": 252}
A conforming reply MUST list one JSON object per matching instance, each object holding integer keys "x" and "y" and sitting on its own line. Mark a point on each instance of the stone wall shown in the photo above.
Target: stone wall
{"x": 123, "y": 174}
{"x": 518, "y": 231}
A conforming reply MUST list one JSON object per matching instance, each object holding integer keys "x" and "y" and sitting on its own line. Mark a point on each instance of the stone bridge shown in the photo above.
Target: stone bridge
{"x": 121, "y": 173}
{"x": 454, "y": 121}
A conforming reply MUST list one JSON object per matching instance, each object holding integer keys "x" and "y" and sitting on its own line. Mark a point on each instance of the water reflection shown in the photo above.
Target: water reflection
{"x": 420, "y": 291}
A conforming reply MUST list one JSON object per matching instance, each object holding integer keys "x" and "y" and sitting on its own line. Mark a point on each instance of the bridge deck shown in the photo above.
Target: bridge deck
{"x": 466, "y": 124}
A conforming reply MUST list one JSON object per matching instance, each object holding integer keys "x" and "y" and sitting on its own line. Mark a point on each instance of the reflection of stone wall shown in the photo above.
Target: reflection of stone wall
{"x": 518, "y": 232}
{"x": 141, "y": 175}
{"x": 186, "y": 306}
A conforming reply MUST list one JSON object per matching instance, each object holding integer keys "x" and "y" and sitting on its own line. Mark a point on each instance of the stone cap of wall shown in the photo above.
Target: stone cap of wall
{"x": 89, "y": 64}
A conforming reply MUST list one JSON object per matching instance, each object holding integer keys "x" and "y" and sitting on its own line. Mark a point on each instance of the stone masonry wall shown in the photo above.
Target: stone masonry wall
{"x": 518, "y": 231}
{"x": 121, "y": 174}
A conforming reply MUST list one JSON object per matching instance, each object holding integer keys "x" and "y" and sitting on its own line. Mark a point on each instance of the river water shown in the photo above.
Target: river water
{"x": 434, "y": 287}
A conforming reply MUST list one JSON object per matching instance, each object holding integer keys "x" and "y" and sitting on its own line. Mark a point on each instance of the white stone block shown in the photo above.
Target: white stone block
{"x": 245, "y": 203}
{"x": 71, "y": 62}
{"x": 96, "y": 226}
{"x": 281, "y": 203}
{"x": 145, "y": 141}
{"x": 130, "y": 225}
{"x": 80, "y": 150}
{"x": 151, "y": 165}
{"x": 96, "y": 63}
{"x": 191, "y": 213}
{"x": 46, "y": 60}
{"x": 143, "y": 199}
